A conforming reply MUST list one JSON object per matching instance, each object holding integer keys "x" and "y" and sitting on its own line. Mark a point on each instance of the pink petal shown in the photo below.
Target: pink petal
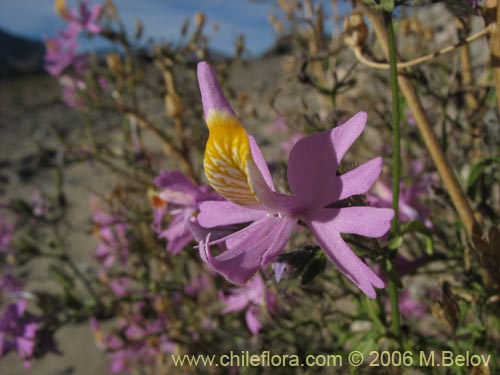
{"x": 360, "y": 179}
{"x": 258, "y": 158}
{"x": 234, "y": 302}
{"x": 252, "y": 319}
{"x": 212, "y": 96}
{"x": 260, "y": 233}
{"x": 283, "y": 232}
{"x": 178, "y": 235}
{"x": 313, "y": 162}
{"x": 245, "y": 251}
{"x": 365, "y": 221}
{"x": 217, "y": 213}
{"x": 274, "y": 202}
{"x": 344, "y": 258}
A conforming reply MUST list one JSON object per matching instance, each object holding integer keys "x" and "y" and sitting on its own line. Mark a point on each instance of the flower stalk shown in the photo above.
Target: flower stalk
{"x": 436, "y": 152}
{"x": 396, "y": 167}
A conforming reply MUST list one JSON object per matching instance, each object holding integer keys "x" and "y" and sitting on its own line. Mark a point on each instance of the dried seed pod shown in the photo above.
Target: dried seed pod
{"x": 447, "y": 310}
{"x": 355, "y": 30}
{"x": 488, "y": 254}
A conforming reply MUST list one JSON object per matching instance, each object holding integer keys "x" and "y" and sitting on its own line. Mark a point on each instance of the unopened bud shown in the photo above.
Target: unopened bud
{"x": 111, "y": 9}
{"x": 355, "y": 30}
{"x": 114, "y": 64}
{"x": 61, "y": 9}
{"x": 199, "y": 20}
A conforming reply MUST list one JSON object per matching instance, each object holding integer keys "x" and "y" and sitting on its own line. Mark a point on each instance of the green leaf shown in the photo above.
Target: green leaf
{"x": 395, "y": 243}
{"x": 429, "y": 245}
{"x": 416, "y": 226}
{"x": 478, "y": 169}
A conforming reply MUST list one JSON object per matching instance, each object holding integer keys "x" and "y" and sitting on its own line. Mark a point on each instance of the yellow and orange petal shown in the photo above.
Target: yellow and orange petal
{"x": 227, "y": 158}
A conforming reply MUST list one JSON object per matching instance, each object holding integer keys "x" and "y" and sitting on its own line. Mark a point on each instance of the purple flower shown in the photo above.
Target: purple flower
{"x": 18, "y": 331}
{"x": 236, "y": 169}
{"x": 136, "y": 342}
{"x": 410, "y": 306}
{"x": 179, "y": 198}
{"x": 86, "y": 19}
{"x": 111, "y": 231}
{"x": 71, "y": 88}
{"x": 281, "y": 126}
{"x": 252, "y": 296}
{"x": 410, "y": 206}
{"x": 60, "y": 52}
{"x": 119, "y": 286}
{"x": 6, "y": 231}
{"x": 197, "y": 285}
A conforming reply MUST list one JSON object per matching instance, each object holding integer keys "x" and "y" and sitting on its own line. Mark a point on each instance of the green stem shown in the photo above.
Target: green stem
{"x": 396, "y": 168}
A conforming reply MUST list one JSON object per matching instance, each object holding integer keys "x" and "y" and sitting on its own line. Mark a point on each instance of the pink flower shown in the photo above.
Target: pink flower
{"x": 410, "y": 205}
{"x": 18, "y": 332}
{"x": 39, "y": 204}
{"x": 71, "y": 91}
{"x": 137, "y": 341}
{"x": 281, "y": 126}
{"x": 410, "y": 306}
{"x": 111, "y": 231}
{"x": 85, "y": 19}
{"x": 179, "y": 198}
{"x": 119, "y": 286}
{"x": 6, "y": 231}
{"x": 252, "y": 296}
{"x": 236, "y": 169}
{"x": 60, "y": 52}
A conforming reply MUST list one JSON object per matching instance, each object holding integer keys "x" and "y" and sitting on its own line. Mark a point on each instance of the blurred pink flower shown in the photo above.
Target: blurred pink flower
{"x": 38, "y": 204}
{"x": 236, "y": 169}
{"x": 119, "y": 286}
{"x": 71, "y": 88}
{"x": 252, "y": 296}
{"x": 83, "y": 19}
{"x": 18, "y": 331}
{"x": 136, "y": 341}
{"x": 410, "y": 205}
{"x": 196, "y": 285}
{"x": 60, "y": 52}
{"x": 179, "y": 198}
{"x": 111, "y": 232}
{"x": 410, "y": 306}
{"x": 6, "y": 231}
{"x": 280, "y": 125}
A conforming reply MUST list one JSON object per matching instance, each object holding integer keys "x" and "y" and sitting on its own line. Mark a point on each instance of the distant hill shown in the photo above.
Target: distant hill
{"x": 19, "y": 55}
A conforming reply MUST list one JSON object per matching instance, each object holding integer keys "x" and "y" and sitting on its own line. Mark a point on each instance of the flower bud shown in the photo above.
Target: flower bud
{"x": 199, "y": 20}
{"x": 61, "y": 9}
{"x": 114, "y": 64}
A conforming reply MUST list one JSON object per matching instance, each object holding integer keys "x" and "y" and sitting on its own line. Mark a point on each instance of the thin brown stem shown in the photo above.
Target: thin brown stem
{"x": 407, "y": 64}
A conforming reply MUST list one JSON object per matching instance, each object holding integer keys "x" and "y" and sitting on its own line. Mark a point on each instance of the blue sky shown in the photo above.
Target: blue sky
{"x": 162, "y": 19}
